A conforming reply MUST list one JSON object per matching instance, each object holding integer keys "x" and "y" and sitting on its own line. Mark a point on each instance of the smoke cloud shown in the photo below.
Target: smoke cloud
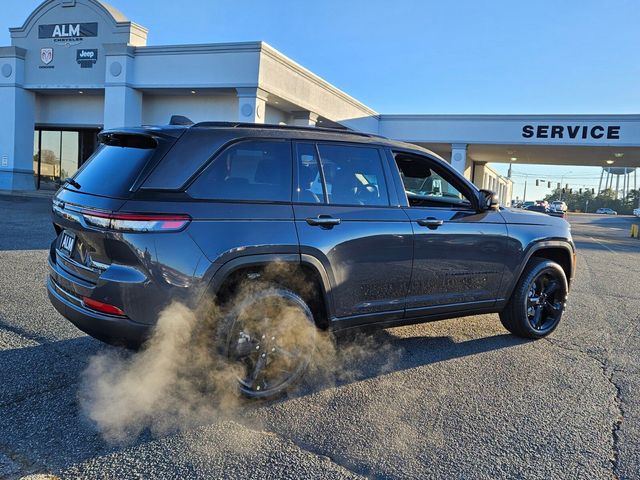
{"x": 181, "y": 378}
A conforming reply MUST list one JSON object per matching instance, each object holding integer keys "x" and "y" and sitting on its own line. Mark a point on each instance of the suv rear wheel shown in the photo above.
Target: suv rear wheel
{"x": 269, "y": 332}
{"x": 538, "y": 301}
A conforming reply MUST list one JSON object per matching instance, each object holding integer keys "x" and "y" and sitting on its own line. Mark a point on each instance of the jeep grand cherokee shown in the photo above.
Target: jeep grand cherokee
{"x": 382, "y": 233}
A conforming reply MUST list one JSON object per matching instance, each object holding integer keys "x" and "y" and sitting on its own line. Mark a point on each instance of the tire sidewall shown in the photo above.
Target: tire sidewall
{"x": 523, "y": 290}
{"x": 246, "y": 300}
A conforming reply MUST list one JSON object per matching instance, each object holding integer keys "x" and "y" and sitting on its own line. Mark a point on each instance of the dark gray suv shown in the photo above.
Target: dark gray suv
{"x": 345, "y": 229}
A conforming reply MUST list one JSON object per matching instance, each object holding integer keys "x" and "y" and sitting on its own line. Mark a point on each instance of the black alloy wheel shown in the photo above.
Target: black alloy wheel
{"x": 544, "y": 307}
{"x": 538, "y": 300}
{"x": 271, "y": 338}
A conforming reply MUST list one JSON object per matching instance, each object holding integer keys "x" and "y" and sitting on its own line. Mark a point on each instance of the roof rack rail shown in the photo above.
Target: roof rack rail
{"x": 345, "y": 131}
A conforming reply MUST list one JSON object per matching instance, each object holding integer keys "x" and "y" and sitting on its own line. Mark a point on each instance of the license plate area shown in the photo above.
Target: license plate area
{"x": 67, "y": 243}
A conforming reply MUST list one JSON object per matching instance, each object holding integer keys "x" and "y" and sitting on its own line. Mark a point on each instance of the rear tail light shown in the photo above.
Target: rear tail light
{"x": 134, "y": 222}
{"x": 102, "y": 307}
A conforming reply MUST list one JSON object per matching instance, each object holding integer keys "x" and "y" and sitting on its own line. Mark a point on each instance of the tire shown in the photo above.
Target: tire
{"x": 538, "y": 301}
{"x": 269, "y": 335}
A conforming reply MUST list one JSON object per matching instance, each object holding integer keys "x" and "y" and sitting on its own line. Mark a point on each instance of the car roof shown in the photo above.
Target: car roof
{"x": 203, "y": 140}
{"x": 241, "y": 129}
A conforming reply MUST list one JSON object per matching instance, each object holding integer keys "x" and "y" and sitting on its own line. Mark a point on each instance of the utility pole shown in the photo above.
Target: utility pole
{"x": 524, "y": 195}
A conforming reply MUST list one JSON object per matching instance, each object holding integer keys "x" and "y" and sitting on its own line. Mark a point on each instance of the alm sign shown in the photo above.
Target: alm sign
{"x": 68, "y": 30}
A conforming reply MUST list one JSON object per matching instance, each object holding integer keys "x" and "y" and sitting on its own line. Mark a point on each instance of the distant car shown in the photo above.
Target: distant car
{"x": 527, "y": 204}
{"x": 606, "y": 211}
{"x": 559, "y": 206}
{"x": 537, "y": 208}
{"x": 636, "y": 212}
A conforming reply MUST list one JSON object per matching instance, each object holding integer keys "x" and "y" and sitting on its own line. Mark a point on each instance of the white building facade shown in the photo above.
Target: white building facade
{"x": 78, "y": 66}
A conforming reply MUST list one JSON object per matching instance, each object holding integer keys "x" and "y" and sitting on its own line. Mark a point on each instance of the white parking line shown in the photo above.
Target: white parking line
{"x": 605, "y": 246}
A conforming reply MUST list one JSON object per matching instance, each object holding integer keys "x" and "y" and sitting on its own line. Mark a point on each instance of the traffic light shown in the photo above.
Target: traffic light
{"x": 537, "y": 182}
{"x": 558, "y": 186}
{"x": 593, "y": 191}
{"x": 548, "y": 184}
{"x": 580, "y": 191}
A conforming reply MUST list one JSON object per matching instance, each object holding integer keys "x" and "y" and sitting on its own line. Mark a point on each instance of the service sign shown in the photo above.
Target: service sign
{"x": 571, "y": 132}
{"x": 66, "y": 31}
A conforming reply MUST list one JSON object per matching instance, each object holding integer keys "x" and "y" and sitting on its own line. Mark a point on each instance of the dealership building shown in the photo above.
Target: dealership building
{"x": 77, "y": 66}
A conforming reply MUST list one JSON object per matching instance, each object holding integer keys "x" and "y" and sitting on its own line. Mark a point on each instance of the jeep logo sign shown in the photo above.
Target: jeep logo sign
{"x": 572, "y": 132}
{"x": 68, "y": 30}
{"x": 87, "y": 58}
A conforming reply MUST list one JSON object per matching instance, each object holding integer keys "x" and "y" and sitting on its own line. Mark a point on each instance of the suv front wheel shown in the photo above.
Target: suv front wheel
{"x": 269, "y": 334}
{"x": 538, "y": 301}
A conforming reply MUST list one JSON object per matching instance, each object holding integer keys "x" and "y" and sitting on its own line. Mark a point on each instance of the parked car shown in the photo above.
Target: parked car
{"x": 344, "y": 229}
{"x": 636, "y": 212}
{"x": 606, "y": 211}
{"x": 537, "y": 208}
{"x": 559, "y": 206}
{"x": 545, "y": 209}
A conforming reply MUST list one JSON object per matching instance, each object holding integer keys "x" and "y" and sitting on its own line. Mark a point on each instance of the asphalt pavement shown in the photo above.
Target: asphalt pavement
{"x": 454, "y": 399}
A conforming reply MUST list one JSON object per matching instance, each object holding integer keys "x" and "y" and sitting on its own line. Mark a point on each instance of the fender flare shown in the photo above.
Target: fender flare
{"x": 535, "y": 247}
{"x": 225, "y": 271}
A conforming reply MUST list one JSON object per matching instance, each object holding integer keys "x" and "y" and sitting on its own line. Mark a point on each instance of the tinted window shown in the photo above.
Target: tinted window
{"x": 425, "y": 187}
{"x": 353, "y": 175}
{"x": 112, "y": 170}
{"x": 309, "y": 188}
{"x": 252, "y": 170}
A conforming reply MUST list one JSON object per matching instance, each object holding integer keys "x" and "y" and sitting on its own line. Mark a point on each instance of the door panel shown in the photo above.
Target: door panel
{"x": 459, "y": 251}
{"x": 343, "y": 218}
{"x": 367, "y": 256}
{"x": 460, "y": 261}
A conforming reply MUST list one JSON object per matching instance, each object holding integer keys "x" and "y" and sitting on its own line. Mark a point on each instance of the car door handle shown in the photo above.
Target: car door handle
{"x": 325, "y": 221}
{"x": 431, "y": 223}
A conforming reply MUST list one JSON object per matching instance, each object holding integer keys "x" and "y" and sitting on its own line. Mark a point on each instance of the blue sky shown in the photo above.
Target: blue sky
{"x": 425, "y": 56}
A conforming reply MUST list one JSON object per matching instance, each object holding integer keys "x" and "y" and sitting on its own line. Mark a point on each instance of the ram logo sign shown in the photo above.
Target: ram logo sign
{"x": 46, "y": 55}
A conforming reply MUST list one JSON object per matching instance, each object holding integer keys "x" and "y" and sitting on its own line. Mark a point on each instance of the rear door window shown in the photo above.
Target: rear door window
{"x": 253, "y": 170}
{"x": 310, "y": 188}
{"x": 353, "y": 175}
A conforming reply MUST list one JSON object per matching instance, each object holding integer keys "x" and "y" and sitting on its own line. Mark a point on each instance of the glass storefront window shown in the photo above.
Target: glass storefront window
{"x": 50, "y": 148}
{"x": 36, "y": 156}
{"x": 57, "y": 154}
{"x": 69, "y": 154}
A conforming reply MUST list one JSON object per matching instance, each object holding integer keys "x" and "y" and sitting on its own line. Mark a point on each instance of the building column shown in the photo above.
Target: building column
{"x": 17, "y": 123}
{"x": 459, "y": 159}
{"x": 252, "y": 105}
{"x": 303, "y": 118}
{"x": 122, "y": 103}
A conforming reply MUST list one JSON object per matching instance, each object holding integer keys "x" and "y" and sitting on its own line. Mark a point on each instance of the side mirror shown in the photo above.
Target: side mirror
{"x": 489, "y": 200}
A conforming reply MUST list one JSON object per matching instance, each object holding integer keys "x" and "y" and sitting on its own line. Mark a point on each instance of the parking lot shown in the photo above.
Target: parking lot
{"x": 453, "y": 399}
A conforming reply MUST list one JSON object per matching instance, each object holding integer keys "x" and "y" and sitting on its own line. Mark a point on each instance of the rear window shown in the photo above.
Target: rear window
{"x": 111, "y": 170}
{"x": 255, "y": 170}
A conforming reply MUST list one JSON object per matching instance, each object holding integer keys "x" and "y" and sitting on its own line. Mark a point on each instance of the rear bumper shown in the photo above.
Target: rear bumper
{"x": 107, "y": 328}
